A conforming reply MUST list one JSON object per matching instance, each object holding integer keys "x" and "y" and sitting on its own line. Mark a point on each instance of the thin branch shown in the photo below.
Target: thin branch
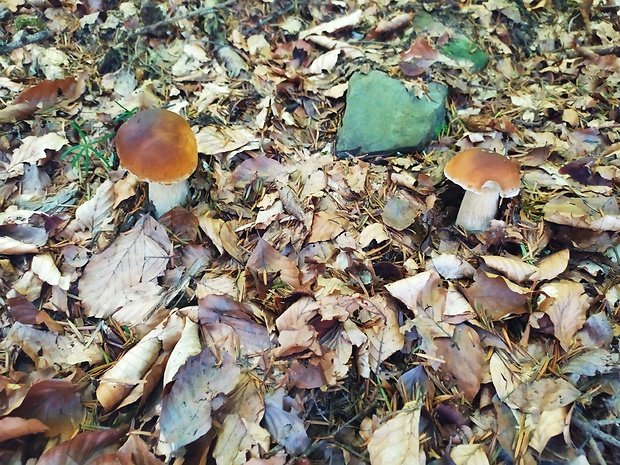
{"x": 25, "y": 39}
{"x": 192, "y": 14}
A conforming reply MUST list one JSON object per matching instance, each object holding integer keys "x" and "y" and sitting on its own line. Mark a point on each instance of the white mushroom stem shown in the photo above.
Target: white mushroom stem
{"x": 477, "y": 210}
{"x": 167, "y": 196}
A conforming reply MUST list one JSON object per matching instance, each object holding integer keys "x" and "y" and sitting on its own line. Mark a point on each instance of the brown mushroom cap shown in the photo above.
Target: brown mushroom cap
{"x": 474, "y": 169}
{"x": 157, "y": 145}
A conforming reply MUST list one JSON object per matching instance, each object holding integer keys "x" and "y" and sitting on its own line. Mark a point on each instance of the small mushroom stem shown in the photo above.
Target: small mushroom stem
{"x": 477, "y": 210}
{"x": 167, "y": 196}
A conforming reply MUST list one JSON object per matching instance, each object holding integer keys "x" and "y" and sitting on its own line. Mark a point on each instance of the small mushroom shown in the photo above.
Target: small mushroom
{"x": 159, "y": 147}
{"x": 486, "y": 176}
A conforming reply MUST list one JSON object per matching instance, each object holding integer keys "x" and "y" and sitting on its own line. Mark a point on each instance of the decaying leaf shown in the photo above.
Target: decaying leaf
{"x": 48, "y": 349}
{"x": 494, "y": 297}
{"x": 550, "y": 267}
{"x": 33, "y": 150}
{"x": 14, "y": 427}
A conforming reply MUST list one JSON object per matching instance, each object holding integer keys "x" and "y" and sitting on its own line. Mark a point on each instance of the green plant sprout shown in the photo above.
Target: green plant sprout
{"x": 126, "y": 114}
{"x": 82, "y": 152}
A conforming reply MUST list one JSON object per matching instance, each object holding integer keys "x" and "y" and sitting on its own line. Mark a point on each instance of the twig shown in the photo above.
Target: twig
{"x": 595, "y": 432}
{"x": 166, "y": 22}
{"x": 25, "y": 40}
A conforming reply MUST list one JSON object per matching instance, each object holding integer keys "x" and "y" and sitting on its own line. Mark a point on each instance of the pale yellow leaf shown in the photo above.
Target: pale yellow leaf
{"x": 469, "y": 454}
{"x": 337, "y": 24}
{"x": 373, "y": 232}
{"x": 118, "y": 381}
{"x": 542, "y": 395}
{"x": 397, "y": 441}
{"x": 550, "y": 423}
{"x": 407, "y": 290}
{"x": 550, "y": 267}
{"x": 44, "y": 267}
{"x": 212, "y": 140}
{"x": 457, "y": 308}
{"x": 451, "y": 266}
{"x": 384, "y": 336}
{"x": 513, "y": 269}
{"x": 188, "y": 345}
{"x": 233, "y": 442}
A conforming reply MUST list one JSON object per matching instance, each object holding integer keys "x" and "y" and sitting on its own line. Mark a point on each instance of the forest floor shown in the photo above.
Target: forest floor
{"x": 304, "y": 307}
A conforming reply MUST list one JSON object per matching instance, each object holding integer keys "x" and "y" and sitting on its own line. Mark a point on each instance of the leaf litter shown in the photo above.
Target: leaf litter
{"x": 305, "y": 308}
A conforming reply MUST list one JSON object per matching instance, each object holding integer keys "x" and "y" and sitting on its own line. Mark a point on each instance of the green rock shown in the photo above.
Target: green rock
{"x": 463, "y": 49}
{"x": 382, "y": 117}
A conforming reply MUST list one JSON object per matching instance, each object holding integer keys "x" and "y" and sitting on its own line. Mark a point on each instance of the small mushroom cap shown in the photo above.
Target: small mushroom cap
{"x": 475, "y": 169}
{"x": 157, "y": 145}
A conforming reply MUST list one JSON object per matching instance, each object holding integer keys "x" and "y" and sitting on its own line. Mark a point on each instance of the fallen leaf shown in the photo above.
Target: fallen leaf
{"x": 83, "y": 448}
{"x": 397, "y": 441}
{"x": 550, "y": 267}
{"x": 13, "y": 427}
{"x": 186, "y": 411}
{"x": 136, "y": 256}
{"x": 469, "y": 454}
{"x": 513, "y": 269}
{"x": 566, "y": 303}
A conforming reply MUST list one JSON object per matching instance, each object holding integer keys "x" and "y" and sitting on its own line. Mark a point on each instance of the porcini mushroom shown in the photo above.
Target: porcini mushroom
{"x": 159, "y": 147}
{"x": 486, "y": 176}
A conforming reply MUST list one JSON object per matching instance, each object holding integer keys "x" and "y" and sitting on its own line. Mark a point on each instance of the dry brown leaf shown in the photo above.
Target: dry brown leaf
{"x": 83, "y": 448}
{"x": 14, "y": 427}
{"x": 234, "y": 442}
{"x": 43, "y": 96}
{"x": 463, "y": 357}
{"x": 493, "y": 296}
{"x": 267, "y": 260}
{"x": 285, "y": 426}
{"x": 17, "y": 239}
{"x": 513, "y": 269}
{"x": 542, "y": 395}
{"x": 252, "y": 337}
{"x": 95, "y": 214}
{"x": 56, "y": 404}
{"x": 326, "y": 226}
{"x": 221, "y": 235}
{"x": 399, "y": 214}
{"x": 136, "y": 256}
{"x": 397, "y": 441}
{"x": 265, "y": 168}
{"x": 566, "y": 304}
{"x": 186, "y": 411}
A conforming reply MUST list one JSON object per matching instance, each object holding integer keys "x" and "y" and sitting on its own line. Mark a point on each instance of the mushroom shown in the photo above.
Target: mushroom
{"x": 486, "y": 176}
{"x": 159, "y": 147}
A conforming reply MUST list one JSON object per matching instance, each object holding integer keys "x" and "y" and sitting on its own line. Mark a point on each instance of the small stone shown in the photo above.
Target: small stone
{"x": 383, "y": 117}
